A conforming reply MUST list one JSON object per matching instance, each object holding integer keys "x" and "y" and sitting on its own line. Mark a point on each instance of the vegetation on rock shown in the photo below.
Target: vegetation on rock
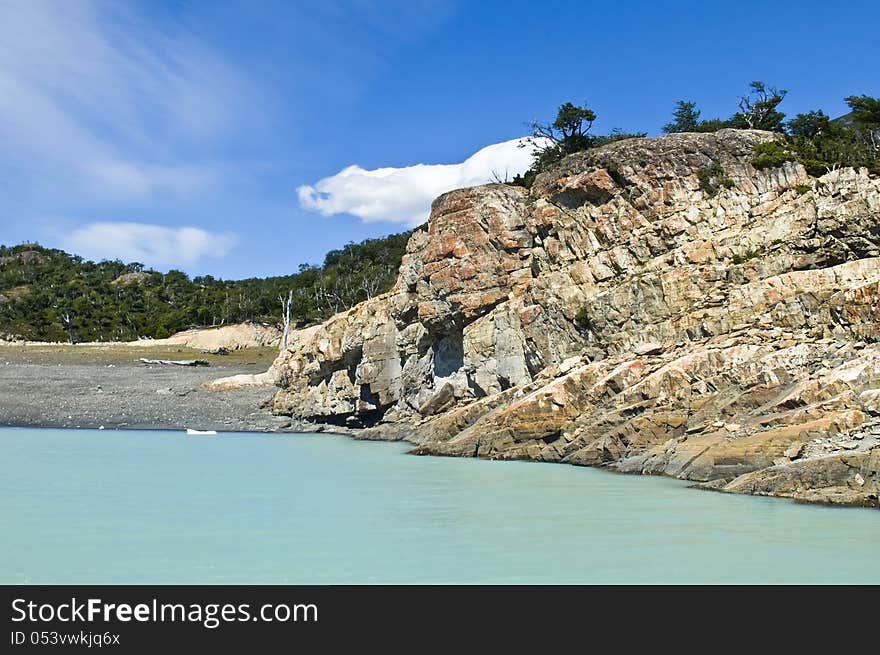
{"x": 812, "y": 138}
{"x": 712, "y": 178}
{"x": 821, "y": 144}
{"x": 567, "y": 134}
{"x": 757, "y": 110}
{"x": 685, "y": 118}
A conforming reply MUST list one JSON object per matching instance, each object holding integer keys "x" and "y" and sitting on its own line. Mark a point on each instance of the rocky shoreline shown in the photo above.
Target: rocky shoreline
{"x": 656, "y": 306}
{"x": 83, "y": 387}
{"x": 115, "y": 391}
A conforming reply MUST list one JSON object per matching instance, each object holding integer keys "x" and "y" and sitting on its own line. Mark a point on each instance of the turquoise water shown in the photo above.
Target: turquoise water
{"x": 82, "y": 506}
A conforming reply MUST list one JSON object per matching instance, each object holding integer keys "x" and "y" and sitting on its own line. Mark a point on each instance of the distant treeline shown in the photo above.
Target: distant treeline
{"x": 50, "y": 295}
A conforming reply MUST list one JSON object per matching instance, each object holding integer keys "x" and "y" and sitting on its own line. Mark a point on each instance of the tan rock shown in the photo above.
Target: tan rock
{"x": 243, "y": 381}
{"x": 870, "y": 401}
{"x": 617, "y": 315}
{"x": 227, "y": 337}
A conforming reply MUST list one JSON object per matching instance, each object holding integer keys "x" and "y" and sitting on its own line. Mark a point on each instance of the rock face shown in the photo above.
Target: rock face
{"x": 652, "y": 306}
{"x": 227, "y": 337}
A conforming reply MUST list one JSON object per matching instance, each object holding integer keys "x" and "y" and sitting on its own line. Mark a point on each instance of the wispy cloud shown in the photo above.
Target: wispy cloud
{"x": 404, "y": 195}
{"x": 99, "y": 98}
{"x": 130, "y": 179}
{"x": 153, "y": 245}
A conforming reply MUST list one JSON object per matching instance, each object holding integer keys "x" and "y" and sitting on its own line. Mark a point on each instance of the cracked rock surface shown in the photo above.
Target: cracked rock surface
{"x": 620, "y": 314}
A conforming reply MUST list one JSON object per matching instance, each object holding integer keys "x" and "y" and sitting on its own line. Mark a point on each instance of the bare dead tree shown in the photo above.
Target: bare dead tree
{"x": 498, "y": 179}
{"x": 68, "y": 326}
{"x": 285, "y": 318}
{"x": 758, "y": 109}
{"x": 370, "y": 284}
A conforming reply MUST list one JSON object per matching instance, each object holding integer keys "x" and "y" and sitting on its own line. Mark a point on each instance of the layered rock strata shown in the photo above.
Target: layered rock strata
{"x": 655, "y": 306}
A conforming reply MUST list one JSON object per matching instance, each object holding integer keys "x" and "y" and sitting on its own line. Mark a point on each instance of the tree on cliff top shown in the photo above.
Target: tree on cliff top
{"x": 865, "y": 109}
{"x": 565, "y": 135}
{"x": 821, "y": 144}
{"x": 809, "y": 125}
{"x": 866, "y": 116}
{"x": 570, "y": 125}
{"x": 757, "y": 109}
{"x": 685, "y": 118}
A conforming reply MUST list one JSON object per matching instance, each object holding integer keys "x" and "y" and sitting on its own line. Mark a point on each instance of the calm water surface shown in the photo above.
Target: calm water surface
{"x": 82, "y": 506}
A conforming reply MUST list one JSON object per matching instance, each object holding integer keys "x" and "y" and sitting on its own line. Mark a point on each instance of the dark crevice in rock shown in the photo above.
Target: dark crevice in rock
{"x": 448, "y": 354}
{"x": 552, "y": 437}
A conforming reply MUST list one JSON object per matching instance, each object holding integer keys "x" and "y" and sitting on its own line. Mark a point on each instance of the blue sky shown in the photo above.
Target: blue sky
{"x": 244, "y": 137}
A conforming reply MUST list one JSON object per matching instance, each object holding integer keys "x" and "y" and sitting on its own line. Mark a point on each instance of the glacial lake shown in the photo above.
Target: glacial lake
{"x": 86, "y": 506}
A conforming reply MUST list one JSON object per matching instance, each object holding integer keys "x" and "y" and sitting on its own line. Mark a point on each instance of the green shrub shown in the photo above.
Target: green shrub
{"x": 820, "y": 144}
{"x": 771, "y": 154}
{"x": 615, "y": 174}
{"x": 746, "y": 256}
{"x": 711, "y": 177}
{"x": 801, "y": 189}
{"x": 712, "y": 125}
{"x": 582, "y": 319}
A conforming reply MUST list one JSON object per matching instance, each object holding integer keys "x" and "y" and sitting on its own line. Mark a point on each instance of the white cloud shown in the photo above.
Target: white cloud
{"x": 404, "y": 195}
{"x": 153, "y": 245}
{"x": 100, "y": 99}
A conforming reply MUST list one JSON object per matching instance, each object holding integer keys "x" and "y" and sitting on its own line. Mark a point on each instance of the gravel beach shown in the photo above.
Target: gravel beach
{"x": 89, "y": 387}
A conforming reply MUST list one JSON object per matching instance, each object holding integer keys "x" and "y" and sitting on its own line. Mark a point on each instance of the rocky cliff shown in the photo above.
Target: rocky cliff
{"x": 654, "y": 306}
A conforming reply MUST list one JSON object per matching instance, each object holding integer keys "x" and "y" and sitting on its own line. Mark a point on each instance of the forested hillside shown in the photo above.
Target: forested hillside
{"x": 50, "y": 295}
